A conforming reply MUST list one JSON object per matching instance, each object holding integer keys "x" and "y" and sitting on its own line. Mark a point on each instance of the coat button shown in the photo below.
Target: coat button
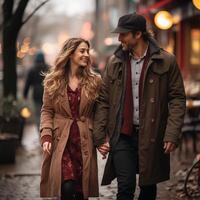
{"x": 151, "y": 80}
{"x": 86, "y": 153}
{"x": 82, "y": 118}
{"x": 152, "y": 120}
{"x": 85, "y": 137}
{"x": 152, "y": 100}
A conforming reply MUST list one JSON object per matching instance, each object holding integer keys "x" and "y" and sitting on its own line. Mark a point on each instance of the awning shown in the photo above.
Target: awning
{"x": 157, "y": 5}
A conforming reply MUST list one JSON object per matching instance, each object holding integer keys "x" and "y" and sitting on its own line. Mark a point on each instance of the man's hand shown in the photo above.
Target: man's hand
{"x": 104, "y": 149}
{"x": 169, "y": 147}
{"x": 47, "y": 147}
{"x": 198, "y": 156}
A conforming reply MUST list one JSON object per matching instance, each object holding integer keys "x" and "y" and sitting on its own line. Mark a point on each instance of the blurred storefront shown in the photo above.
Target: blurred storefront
{"x": 106, "y": 18}
{"x": 176, "y": 24}
{"x": 107, "y": 15}
{"x": 177, "y": 30}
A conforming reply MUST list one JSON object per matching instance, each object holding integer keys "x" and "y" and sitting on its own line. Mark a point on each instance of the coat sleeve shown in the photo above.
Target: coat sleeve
{"x": 101, "y": 111}
{"x": 176, "y": 104}
{"x": 47, "y": 114}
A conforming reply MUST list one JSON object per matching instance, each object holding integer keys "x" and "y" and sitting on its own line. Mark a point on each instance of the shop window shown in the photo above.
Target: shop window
{"x": 195, "y": 48}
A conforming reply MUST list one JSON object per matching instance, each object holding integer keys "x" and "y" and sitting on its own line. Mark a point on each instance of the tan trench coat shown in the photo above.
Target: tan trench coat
{"x": 56, "y": 120}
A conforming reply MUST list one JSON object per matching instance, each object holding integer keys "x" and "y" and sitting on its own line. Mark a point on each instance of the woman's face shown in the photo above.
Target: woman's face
{"x": 81, "y": 55}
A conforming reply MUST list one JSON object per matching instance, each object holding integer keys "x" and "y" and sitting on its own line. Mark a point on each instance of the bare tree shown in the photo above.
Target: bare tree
{"x": 12, "y": 23}
{"x": 1, "y": 24}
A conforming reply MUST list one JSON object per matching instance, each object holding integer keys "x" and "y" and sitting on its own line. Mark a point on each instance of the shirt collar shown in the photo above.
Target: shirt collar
{"x": 142, "y": 57}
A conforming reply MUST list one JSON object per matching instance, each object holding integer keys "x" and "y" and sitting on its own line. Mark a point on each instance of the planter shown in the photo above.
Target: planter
{"x": 8, "y": 144}
{"x": 13, "y": 126}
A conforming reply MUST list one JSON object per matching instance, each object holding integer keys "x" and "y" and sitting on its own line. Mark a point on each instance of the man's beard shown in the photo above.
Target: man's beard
{"x": 127, "y": 47}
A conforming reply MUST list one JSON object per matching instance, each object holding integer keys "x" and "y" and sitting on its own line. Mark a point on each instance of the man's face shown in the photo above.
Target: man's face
{"x": 128, "y": 41}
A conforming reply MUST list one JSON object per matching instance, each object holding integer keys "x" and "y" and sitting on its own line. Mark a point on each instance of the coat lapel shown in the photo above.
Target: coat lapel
{"x": 64, "y": 102}
{"x": 153, "y": 54}
{"x": 149, "y": 63}
{"x": 83, "y": 102}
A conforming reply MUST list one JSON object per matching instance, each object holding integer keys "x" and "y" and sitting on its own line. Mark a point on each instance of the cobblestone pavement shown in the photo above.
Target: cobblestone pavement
{"x": 20, "y": 181}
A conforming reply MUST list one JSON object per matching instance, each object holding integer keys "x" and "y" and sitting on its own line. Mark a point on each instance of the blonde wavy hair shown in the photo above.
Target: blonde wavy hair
{"x": 57, "y": 78}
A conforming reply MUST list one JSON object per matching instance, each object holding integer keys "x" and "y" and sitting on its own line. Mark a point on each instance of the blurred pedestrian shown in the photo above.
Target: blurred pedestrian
{"x": 34, "y": 80}
{"x": 140, "y": 109}
{"x": 69, "y": 167}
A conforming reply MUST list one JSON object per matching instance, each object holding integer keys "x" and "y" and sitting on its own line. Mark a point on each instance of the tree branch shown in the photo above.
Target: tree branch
{"x": 7, "y": 9}
{"x": 34, "y": 11}
{"x": 18, "y": 15}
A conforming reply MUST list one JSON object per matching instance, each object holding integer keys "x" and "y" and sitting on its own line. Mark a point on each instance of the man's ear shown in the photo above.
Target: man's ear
{"x": 138, "y": 34}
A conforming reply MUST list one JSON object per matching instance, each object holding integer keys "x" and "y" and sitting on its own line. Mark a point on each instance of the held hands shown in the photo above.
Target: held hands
{"x": 169, "y": 147}
{"x": 198, "y": 156}
{"x": 47, "y": 147}
{"x": 104, "y": 149}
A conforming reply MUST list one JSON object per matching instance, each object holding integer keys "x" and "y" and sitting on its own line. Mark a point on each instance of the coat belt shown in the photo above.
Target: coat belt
{"x": 81, "y": 118}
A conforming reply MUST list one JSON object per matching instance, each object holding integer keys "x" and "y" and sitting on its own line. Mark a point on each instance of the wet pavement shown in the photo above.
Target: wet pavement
{"x": 20, "y": 181}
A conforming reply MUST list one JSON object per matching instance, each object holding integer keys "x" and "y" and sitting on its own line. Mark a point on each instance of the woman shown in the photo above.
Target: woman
{"x": 69, "y": 167}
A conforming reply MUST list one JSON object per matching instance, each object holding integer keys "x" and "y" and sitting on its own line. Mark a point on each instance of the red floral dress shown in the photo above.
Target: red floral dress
{"x": 72, "y": 157}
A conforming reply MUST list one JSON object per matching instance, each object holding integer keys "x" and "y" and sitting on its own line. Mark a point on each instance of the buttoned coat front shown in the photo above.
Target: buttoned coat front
{"x": 56, "y": 120}
{"x": 161, "y": 112}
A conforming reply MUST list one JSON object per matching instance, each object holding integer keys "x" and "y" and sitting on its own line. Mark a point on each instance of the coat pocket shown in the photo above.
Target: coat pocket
{"x": 159, "y": 69}
{"x": 90, "y": 126}
{"x": 56, "y": 137}
{"x": 90, "y": 129}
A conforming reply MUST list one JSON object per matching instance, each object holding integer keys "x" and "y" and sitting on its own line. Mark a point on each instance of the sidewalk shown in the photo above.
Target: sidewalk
{"x": 20, "y": 181}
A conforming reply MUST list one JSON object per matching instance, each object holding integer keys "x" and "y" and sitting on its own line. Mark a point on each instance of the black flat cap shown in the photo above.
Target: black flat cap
{"x": 130, "y": 22}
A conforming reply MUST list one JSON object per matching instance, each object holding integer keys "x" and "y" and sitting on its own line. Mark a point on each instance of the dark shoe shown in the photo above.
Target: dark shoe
{"x": 79, "y": 196}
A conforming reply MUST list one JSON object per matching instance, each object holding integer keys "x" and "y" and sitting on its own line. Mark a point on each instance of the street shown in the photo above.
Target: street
{"x": 20, "y": 181}
{"x": 148, "y": 55}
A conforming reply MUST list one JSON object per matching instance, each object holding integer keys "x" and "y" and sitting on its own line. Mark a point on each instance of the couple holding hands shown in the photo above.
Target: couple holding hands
{"x": 133, "y": 114}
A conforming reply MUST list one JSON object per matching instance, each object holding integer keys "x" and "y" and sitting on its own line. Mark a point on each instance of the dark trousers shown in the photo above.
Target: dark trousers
{"x": 68, "y": 191}
{"x": 125, "y": 159}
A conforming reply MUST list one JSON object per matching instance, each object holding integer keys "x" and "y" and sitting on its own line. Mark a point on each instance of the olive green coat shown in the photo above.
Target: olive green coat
{"x": 162, "y": 108}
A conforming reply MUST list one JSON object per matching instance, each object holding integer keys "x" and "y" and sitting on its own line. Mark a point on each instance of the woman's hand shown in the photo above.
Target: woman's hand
{"x": 47, "y": 147}
{"x": 104, "y": 149}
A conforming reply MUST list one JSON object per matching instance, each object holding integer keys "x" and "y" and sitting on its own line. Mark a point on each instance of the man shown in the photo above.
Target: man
{"x": 34, "y": 80}
{"x": 140, "y": 111}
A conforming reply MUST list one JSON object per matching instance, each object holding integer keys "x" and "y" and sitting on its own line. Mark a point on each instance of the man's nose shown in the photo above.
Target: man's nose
{"x": 120, "y": 37}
